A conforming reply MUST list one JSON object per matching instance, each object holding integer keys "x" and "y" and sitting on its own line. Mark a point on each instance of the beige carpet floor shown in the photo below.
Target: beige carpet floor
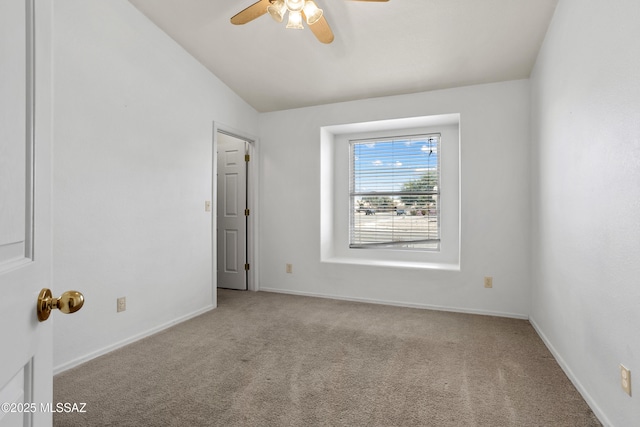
{"x": 265, "y": 359}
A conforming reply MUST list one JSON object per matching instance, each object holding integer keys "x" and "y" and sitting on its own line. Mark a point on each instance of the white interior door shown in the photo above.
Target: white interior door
{"x": 25, "y": 216}
{"x": 231, "y": 218}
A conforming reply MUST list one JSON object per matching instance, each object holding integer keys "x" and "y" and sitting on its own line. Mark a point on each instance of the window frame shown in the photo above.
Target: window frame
{"x": 406, "y": 245}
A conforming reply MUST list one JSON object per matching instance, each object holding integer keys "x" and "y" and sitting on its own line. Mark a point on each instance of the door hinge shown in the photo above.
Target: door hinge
{"x": 247, "y": 157}
{"x": 246, "y": 267}
{"x": 246, "y": 212}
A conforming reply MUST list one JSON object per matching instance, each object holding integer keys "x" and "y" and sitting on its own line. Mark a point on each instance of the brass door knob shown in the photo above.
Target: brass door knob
{"x": 69, "y": 302}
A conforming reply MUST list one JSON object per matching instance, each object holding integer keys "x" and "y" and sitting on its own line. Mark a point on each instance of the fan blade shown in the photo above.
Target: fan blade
{"x": 321, "y": 30}
{"x": 252, "y": 12}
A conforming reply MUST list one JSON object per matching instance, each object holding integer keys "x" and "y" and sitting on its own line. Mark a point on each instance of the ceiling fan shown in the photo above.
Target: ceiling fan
{"x": 299, "y": 10}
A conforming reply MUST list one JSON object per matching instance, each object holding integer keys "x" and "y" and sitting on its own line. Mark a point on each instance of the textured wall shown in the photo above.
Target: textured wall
{"x": 133, "y": 118}
{"x": 586, "y": 151}
{"x": 494, "y": 192}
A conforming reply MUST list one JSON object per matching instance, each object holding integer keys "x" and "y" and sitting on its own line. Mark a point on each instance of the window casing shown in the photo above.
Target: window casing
{"x": 335, "y": 210}
{"x": 394, "y": 192}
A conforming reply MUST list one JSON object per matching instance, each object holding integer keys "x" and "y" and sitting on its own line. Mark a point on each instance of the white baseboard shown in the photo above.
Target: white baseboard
{"x": 399, "y": 304}
{"x": 572, "y": 377}
{"x": 82, "y": 359}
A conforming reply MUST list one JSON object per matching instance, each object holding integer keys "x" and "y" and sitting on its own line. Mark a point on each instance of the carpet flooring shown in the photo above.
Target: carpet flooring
{"x": 266, "y": 359}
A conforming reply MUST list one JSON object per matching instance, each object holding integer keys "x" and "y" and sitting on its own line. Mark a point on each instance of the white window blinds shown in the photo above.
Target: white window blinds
{"x": 395, "y": 192}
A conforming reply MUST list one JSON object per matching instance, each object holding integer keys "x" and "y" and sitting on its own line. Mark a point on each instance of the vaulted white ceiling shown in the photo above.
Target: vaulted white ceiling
{"x": 380, "y": 48}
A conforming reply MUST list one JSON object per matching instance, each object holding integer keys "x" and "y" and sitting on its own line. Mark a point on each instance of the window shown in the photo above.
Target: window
{"x": 339, "y": 196}
{"x": 394, "y": 192}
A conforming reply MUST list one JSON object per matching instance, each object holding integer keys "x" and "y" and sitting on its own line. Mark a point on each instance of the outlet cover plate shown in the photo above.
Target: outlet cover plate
{"x": 625, "y": 379}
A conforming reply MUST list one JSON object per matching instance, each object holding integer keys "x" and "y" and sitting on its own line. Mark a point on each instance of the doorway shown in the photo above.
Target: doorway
{"x": 232, "y": 211}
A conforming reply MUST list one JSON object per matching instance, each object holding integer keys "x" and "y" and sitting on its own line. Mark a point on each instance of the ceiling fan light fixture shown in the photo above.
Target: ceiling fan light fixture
{"x": 312, "y": 12}
{"x": 277, "y": 9}
{"x": 295, "y": 20}
{"x": 294, "y": 5}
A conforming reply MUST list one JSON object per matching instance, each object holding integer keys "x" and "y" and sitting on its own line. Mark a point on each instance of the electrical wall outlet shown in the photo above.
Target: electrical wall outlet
{"x": 625, "y": 379}
{"x": 207, "y": 206}
{"x": 289, "y": 268}
{"x": 122, "y": 304}
{"x": 488, "y": 282}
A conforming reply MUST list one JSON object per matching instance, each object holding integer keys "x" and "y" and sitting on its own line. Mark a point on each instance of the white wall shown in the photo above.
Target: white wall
{"x": 133, "y": 117}
{"x": 495, "y": 197}
{"x": 586, "y": 199}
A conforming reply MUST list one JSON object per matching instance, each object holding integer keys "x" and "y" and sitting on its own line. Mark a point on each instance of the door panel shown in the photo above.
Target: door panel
{"x": 15, "y": 393}
{"x": 231, "y": 251}
{"x": 230, "y": 202}
{"x": 13, "y": 138}
{"x": 231, "y": 219}
{"x": 25, "y": 191}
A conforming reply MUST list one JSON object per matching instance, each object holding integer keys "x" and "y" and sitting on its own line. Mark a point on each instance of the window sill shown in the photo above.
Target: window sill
{"x": 393, "y": 264}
